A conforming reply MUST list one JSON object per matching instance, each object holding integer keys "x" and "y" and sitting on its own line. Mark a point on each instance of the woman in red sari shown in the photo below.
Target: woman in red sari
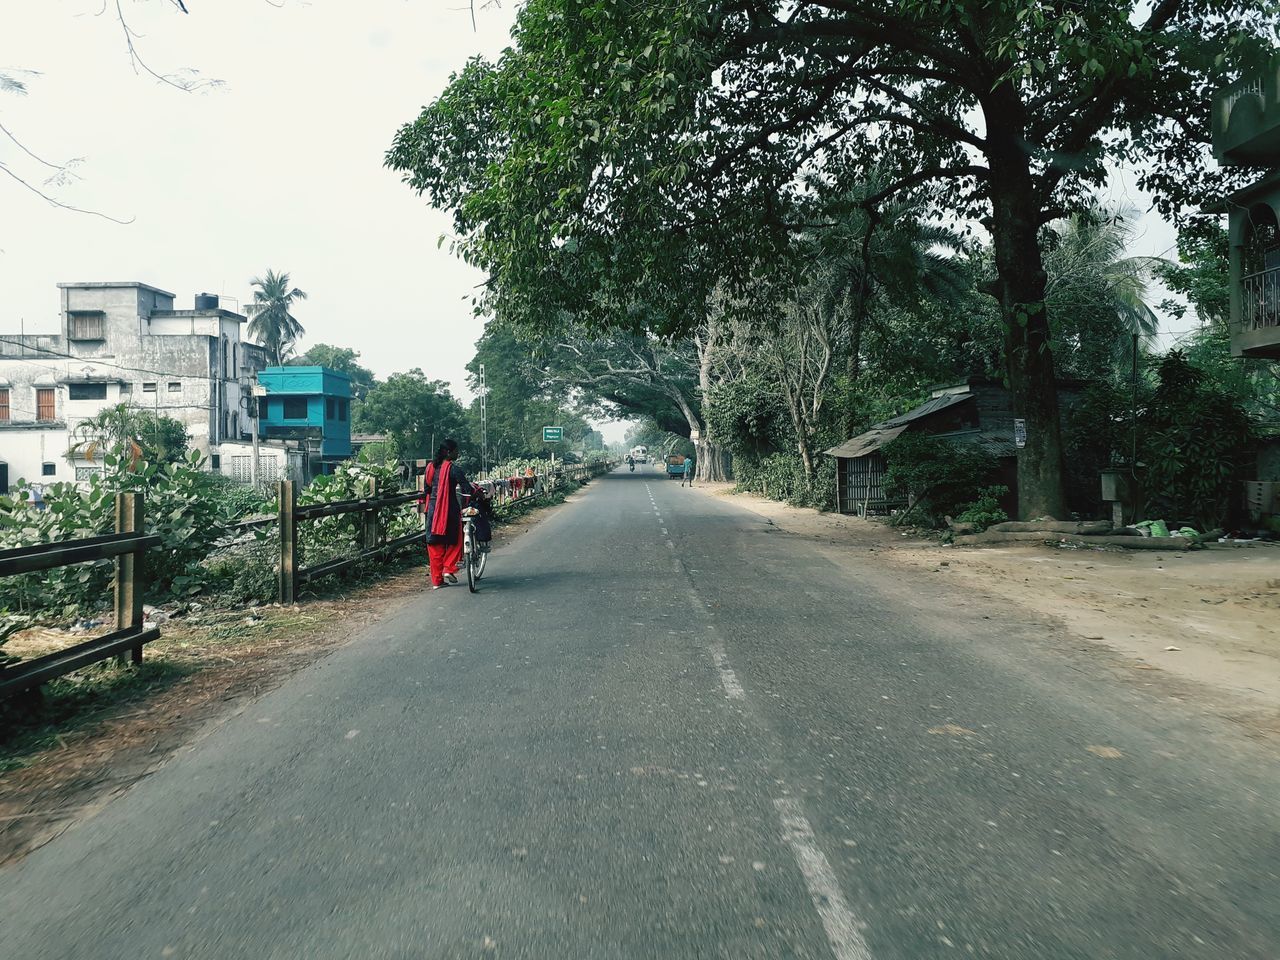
{"x": 443, "y": 483}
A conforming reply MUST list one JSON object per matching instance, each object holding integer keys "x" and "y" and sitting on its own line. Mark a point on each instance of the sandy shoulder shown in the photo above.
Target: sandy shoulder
{"x": 1218, "y": 608}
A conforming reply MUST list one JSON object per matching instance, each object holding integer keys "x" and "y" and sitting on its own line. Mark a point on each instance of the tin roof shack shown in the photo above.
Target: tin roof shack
{"x": 311, "y": 405}
{"x": 976, "y": 411}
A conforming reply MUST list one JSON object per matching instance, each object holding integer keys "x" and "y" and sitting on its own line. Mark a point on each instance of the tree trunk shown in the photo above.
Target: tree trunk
{"x": 713, "y": 463}
{"x": 1028, "y": 354}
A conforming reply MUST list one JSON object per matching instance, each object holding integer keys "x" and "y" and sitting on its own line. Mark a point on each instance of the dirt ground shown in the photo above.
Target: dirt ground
{"x": 1208, "y": 616}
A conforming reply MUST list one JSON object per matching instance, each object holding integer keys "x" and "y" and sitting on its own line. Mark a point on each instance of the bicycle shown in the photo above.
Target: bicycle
{"x": 475, "y": 552}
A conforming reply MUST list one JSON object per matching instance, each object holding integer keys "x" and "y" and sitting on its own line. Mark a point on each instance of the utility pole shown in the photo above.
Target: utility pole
{"x": 255, "y": 406}
{"x": 484, "y": 423}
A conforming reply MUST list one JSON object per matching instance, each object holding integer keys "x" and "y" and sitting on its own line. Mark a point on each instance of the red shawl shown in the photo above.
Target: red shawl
{"x": 438, "y": 482}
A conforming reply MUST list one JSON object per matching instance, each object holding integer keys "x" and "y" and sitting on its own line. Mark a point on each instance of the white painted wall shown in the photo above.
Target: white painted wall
{"x": 146, "y": 347}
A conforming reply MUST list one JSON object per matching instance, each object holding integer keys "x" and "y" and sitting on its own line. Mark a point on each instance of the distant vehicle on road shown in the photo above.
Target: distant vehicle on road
{"x": 640, "y": 454}
{"x": 675, "y": 466}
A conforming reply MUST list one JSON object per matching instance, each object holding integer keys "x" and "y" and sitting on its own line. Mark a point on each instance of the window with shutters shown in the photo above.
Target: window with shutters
{"x": 84, "y": 326}
{"x": 44, "y": 403}
{"x": 4, "y": 404}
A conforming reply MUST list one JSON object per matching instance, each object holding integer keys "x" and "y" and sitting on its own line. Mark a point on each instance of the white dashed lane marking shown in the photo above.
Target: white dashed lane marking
{"x": 842, "y": 927}
{"x": 728, "y": 679}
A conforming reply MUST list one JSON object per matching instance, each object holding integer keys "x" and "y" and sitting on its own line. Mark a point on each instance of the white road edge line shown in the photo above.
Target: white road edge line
{"x": 728, "y": 679}
{"x": 838, "y": 920}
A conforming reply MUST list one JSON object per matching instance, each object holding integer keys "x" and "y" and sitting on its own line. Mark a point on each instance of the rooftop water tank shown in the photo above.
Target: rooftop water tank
{"x": 206, "y": 301}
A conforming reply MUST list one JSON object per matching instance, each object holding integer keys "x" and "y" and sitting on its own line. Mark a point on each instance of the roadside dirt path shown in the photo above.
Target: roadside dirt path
{"x": 1209, "y": 616}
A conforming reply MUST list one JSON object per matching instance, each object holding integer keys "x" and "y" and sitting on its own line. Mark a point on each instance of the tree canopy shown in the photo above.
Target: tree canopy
{"x": 414, "y": 411}
{"x": 344, "y": 360}
{"x": 621, "y": 161}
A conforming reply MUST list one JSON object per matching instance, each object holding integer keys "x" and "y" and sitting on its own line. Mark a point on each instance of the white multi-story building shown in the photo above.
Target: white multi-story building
{"x": 124, "y": 343}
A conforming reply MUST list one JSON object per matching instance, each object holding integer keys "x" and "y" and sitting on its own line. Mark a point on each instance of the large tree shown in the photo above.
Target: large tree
{"x": 344, "y": 360}
{"x": 648, "y": 141}
{"x": 415, "y": 412}
{"x": 271, "y": 315}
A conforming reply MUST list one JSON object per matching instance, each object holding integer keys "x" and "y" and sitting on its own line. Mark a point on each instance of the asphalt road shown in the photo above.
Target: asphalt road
{"x": 666, "y": 729}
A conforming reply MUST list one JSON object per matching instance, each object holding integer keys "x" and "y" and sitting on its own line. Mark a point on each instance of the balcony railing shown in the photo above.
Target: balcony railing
{"x": 1260, "y": 300}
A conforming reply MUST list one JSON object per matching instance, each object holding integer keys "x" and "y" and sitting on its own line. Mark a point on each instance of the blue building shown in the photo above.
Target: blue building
{"x": 311, "y": 405}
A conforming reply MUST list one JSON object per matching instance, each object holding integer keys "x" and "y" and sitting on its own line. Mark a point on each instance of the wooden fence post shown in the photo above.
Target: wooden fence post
{"x": 369, "y": 518}
{"x": 128, "y": 577}
{"x": 287, "y": 499}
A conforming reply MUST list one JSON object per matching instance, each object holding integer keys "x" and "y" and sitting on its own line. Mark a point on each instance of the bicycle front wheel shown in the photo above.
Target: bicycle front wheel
{"x": 481, "y": 558}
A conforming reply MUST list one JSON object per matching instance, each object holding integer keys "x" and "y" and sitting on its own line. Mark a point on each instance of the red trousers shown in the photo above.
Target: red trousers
{"x": 444, "y": 558}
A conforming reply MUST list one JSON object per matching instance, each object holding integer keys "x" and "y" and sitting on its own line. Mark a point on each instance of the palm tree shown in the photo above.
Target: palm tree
{"x": 1094, "y": 281}
{"x": 272, "y": 323}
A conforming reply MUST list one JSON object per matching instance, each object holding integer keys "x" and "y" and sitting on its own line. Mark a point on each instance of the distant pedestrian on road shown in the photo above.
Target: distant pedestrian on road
{"x": 688, "y": 471}
{"x": 444, "y": 514}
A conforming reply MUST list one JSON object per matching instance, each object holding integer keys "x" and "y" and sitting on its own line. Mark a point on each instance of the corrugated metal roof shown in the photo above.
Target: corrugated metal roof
{"x": 865, "y": 443}
{"x": 928, "y": 408}
{"x": 882, "y": 433}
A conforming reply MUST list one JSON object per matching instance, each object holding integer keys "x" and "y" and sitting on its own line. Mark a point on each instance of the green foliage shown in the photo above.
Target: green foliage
{"x": 135, "y": 433}
{"x": 1096, "y": 294}
{"x": 942, "y": 477}
{"x": 986, "y": 509}
{"x": 781, "y": 476}
{"x": 1098, "y": 433}
{"x": 1201, "y": 274}
{"x": 746, "y": 418}
{"x": 1194, "y": 438}
{"x": 621, "y": 162}
{"x": 181, "y": 506}
{"x": 342, "y": 359}
{"x": 413, "y": 410}
{"x": 1254, "y": 383}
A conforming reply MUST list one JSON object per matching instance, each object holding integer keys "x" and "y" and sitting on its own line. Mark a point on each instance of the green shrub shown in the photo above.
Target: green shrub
{"x": 986, "y": 510}
{"x": 1194, "y": 439}
{"x": 177, "y": 507}
{"x": 941, "y": 476}
{"x": 780, "y": 476}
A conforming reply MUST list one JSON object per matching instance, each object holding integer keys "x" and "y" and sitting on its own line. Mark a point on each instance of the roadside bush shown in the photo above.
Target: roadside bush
{"x": 1194, "y": 439}
{"x": 780, "y": 476}
{"x": 941, "y": 477}
{"x": 178, "y": 508}
{"x": 985, "y": 510}
{"x": 246, "y": 572}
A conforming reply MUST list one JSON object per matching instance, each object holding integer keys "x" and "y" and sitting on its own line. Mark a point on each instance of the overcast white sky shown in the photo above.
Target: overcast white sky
{"x": 279, "y": 167}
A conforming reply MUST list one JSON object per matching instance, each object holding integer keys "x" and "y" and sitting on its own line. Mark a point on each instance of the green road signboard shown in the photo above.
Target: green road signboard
{"x": 552, "y": 434}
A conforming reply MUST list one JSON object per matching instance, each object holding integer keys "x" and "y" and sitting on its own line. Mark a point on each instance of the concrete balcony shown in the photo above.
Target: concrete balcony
{"x": 1246, "y": 120}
